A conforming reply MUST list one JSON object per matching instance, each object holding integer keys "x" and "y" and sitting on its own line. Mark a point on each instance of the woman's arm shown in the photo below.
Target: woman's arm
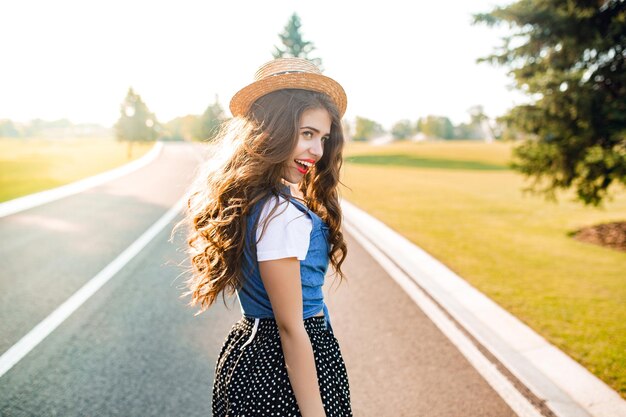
{"x": 281, "y": 278}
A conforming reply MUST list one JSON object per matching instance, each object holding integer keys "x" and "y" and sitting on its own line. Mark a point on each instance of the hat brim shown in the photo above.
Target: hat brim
{"x": 243, "y": 99}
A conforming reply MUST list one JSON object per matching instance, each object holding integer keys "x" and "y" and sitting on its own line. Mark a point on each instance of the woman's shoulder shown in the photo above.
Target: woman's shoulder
{"x": 285, "y": 209}
{"x": 282, "y": 231}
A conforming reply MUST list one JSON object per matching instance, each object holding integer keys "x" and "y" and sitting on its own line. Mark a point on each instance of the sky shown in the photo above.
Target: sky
{"x": 395, "y": 59}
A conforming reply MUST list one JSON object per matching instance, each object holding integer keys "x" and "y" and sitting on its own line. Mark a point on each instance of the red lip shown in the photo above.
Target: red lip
{"x": 303, "y": 169}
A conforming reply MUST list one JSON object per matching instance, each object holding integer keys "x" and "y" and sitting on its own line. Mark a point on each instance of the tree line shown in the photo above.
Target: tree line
{"x": 432, "y": 127}
{"x": 568, "y": 57}
{"x": 137, "y": 123}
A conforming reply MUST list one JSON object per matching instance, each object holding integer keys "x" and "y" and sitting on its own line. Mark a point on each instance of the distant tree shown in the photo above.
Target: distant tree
{"x": 34, "y": 128}
{"x": 292, "y": 43}
{"x": 419, "y": 126}
{"x": 136, "y": 123}
{"x": 466, "y": 131}
{"x": 446, "y": 128}
{"x": 436, "y": 127}
{"x": 366, "y": 129}
{"x": 477, "y": 128}
{"x": 477, "y": 114}
{"x": 172, "y": 130}
{"x": 480, "y": 122}
{"x": 184, "y": 128}
{"x": 570, "y": 58}
{"x": 403, "y": 129}
{"x": 211, "y": 120}
{"x": 58, "y": 123}
{"x": 8, "y": 129}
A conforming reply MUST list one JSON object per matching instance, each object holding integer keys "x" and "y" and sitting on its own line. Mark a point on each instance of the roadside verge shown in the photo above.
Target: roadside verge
{"x": 551, "y": 380}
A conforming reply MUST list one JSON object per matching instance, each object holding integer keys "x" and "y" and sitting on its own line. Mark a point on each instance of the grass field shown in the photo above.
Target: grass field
{"x": 459, "y": 202}
{"x": 28, "y": 166}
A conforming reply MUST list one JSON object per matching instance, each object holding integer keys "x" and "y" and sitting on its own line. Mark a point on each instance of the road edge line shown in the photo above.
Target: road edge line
{"x": 38, "y": 333}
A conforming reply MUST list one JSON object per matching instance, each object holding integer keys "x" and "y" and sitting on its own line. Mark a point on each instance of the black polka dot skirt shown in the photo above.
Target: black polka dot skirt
{"x": 251, "y": 379}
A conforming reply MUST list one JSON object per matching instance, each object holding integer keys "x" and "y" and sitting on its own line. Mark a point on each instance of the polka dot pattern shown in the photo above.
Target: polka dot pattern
{"x": 252, "y": 381}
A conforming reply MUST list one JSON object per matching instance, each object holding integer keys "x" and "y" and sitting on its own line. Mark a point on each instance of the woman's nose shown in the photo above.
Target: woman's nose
{"x": 317, "y": 148}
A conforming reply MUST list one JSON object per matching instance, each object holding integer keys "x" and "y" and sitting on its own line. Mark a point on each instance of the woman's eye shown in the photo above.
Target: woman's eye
{"x": 308, "y": 134}
{"x": 325, "y": 138}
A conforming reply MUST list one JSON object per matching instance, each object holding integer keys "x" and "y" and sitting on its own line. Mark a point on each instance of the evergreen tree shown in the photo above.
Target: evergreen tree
{"x": 292, "y": 43}
{"x": 136, "y": 123}
{"x": 570, "y": 58}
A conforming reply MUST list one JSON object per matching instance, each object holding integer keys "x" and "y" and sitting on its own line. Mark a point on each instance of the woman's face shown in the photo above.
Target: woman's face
{"x": 313, "y": 131}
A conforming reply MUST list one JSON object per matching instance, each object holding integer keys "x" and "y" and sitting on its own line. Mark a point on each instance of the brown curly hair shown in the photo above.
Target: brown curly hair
{"x": 248, "y": 168}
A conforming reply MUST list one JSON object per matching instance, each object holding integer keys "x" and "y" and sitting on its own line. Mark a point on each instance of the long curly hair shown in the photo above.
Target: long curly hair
{"x": 247, "y": 168}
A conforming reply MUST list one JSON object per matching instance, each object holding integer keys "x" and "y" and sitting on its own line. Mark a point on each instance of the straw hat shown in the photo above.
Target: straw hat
{"x": 287, "y": 73}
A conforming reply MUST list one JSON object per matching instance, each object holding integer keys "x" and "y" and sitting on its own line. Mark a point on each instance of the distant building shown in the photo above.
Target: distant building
{"x": 418, "y": 137}
{"x": 383, "y": 139}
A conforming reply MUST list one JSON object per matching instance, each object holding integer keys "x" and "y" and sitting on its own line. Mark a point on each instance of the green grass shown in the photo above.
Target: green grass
{"x": 28, "y": 166}
{"x": 412, "y": 161}
{"x": 449, "y": 199}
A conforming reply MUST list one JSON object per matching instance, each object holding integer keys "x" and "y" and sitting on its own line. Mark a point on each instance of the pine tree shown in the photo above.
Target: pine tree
{"x": 292, "y": 43}
{"x": 570, "y": 58}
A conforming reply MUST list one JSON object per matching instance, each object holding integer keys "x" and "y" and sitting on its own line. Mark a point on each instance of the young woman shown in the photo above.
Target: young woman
{"x": 265, "y": 224}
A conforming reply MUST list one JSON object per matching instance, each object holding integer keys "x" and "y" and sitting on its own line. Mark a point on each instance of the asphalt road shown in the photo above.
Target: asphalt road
{"x": 136, "y": 349}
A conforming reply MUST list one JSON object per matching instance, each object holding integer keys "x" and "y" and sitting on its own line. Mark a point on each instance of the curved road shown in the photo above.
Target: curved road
{"x": 135, "y": 349}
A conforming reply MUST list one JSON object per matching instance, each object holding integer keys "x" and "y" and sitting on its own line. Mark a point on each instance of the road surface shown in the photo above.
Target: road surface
{"x": 135, "y": 349}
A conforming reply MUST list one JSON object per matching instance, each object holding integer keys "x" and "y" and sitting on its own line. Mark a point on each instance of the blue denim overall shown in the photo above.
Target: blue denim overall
{"x": 252, "y": 296}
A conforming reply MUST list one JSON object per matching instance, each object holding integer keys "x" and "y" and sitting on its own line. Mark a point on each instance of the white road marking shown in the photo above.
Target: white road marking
{"x": 37, "y": 199}
{"x": 518, "y": 403}
{"x": 27, "y": 343}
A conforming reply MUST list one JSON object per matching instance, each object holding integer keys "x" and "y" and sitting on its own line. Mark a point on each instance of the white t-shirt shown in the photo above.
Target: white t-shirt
{"x": 287, "y": 233}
